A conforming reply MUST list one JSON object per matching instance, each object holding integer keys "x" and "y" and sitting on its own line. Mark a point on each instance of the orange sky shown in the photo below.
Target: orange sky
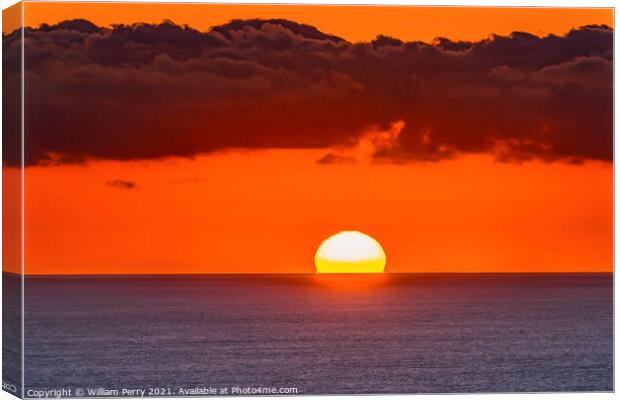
{"x": 355, "y": 23}
{"x": 268, "y": 210}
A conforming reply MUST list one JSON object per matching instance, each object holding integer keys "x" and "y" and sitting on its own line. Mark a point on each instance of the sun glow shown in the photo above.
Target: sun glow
{"x": 350, "y": 252}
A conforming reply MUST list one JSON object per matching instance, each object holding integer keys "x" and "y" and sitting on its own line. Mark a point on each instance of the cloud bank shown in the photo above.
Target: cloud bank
{"x": 151, "y": 91}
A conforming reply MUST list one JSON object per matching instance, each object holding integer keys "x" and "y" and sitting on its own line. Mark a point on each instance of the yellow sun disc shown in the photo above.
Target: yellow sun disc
{"x": 350, "y": 252}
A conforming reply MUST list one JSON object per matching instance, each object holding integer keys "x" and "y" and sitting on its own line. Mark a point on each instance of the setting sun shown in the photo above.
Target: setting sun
{"x": 350, "y": 252}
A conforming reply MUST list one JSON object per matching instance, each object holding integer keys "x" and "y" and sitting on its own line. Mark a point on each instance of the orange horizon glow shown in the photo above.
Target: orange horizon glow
{"x": 214, "y": 215}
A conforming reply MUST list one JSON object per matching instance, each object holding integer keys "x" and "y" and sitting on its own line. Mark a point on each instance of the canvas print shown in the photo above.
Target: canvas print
{"x": 228, "y": 199}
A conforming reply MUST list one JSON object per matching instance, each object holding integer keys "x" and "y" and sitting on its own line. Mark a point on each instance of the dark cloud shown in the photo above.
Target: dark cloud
{"x": 150, "y": 91}
{"x": 331, "y": 158}
{"x": 122, "y": 184}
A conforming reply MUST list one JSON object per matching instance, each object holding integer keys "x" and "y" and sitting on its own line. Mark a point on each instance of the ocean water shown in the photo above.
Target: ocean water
{"x": 321, "y": 334}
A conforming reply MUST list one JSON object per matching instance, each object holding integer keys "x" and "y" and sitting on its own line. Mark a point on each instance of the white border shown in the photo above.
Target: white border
{"x": 439, "y": 3}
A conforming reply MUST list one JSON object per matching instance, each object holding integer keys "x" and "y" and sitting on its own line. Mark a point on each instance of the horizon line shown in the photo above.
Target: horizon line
{"x": 264, "y": 274}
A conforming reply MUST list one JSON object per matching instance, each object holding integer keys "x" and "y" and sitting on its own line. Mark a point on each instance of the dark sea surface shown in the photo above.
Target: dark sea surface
{"x": 11, "y": 333}
{"x": 322, "y": 334}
